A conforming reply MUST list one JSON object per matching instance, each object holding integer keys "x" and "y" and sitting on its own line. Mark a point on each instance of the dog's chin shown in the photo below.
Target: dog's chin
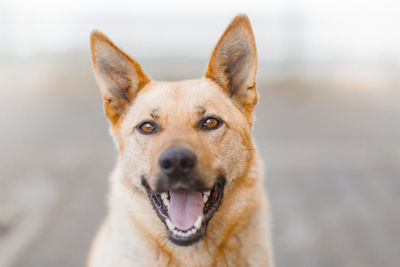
{"x": 191, "y": 231}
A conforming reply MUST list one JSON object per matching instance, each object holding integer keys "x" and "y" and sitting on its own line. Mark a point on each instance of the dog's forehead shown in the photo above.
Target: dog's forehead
{"x": 184, "y": 96}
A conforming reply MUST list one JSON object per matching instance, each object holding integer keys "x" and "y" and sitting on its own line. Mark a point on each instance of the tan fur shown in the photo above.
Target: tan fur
{"x": 133, "y": 235}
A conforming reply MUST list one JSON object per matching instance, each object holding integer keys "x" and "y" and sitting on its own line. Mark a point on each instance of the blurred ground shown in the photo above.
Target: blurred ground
{"x": 331, "y": 150}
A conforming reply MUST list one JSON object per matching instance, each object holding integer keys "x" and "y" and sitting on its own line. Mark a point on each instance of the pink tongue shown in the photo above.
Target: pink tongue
{"x": 185, "y": 207}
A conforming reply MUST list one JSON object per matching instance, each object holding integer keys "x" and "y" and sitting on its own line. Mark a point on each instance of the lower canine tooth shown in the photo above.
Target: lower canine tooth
{"x": 164, "y": 195}
{"x": 197, "y": 224}
{"x": 170, "y": 225}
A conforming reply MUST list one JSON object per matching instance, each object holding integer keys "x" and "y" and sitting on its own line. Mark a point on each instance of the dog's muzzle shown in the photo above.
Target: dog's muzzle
{"x": 182, "y": 201}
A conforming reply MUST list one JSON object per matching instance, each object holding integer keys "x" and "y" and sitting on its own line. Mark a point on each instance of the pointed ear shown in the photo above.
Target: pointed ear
{"x": 119, "y": 77}
{"x": 233, "y": 64}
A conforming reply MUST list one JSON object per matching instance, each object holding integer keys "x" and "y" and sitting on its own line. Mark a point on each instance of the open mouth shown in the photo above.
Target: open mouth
{"x": 186, "y": 213}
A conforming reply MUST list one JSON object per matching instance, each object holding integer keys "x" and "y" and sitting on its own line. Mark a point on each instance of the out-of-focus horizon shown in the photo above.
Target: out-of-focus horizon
{"x": 286, "y": 30}
{"x": 327, "y": 123}
{"x": 355, "y": 43}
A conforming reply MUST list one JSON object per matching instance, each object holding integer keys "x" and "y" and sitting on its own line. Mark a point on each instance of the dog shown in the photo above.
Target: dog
{"x": 187, "y": 187}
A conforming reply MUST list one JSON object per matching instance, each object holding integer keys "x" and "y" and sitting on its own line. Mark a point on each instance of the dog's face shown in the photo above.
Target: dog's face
{"x": 182, "y": 143}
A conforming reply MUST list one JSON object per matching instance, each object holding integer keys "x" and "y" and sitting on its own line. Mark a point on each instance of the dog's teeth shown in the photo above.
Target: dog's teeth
{"x": 206, "y": 195}
{"x": 197, "y": 224}
{"x": 164, "y": 197}
{"x": 187, "y": 233}
{"x": 183, "y": 234}
{"x": 170, "y": 225}
{"x": 166, "y": 201}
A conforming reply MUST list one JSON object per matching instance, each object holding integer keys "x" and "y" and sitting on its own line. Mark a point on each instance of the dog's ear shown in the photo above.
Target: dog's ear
{"x": 233, "y": 64}
{"x": 118, "y": 76}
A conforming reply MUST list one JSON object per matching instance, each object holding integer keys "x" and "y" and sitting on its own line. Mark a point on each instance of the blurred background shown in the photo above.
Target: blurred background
{"x": 327, "y": 125}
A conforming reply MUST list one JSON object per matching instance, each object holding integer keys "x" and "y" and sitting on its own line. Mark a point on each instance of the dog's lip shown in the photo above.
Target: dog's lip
{"x": 190, "y": 236}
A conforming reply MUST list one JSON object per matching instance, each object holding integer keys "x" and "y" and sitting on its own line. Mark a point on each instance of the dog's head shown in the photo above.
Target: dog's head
{"x": 181, "y": 142}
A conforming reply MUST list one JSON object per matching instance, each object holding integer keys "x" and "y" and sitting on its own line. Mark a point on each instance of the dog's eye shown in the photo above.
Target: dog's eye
{"x": 147, "y": 127}
{"x": 210, "y": 123}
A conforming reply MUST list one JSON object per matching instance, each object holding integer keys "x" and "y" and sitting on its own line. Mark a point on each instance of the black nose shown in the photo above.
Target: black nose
{"x": 177, "y": 161}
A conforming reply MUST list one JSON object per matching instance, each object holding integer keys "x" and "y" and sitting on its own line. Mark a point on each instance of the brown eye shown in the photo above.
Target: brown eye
{"x": 210, "y": 123}
{"x": 147, "y": 127}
